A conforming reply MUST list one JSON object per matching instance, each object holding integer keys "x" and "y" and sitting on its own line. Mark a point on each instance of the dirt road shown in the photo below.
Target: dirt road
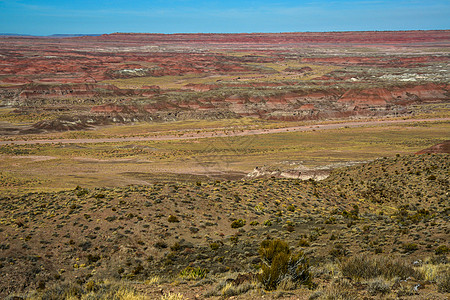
{"x": 191, "y": 136}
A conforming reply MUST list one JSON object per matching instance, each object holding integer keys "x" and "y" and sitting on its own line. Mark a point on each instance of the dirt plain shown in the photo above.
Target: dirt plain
{"x": 154, "y": 166}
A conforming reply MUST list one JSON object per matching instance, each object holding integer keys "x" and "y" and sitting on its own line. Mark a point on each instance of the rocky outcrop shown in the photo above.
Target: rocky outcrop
{"x": 294, "y": 105}
{"x": 69, "y": 90}
{"x": 397, "y": 95}
{"x": 439, "y": 148}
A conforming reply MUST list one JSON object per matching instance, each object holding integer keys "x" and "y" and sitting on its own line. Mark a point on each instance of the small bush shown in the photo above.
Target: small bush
{"x": 378, "y": 286}
{"x": 193, "y": 273}
{"x": 160, "y": 245}
{"x": 442, "y": 249}
{"x": 92, "y": 290}
{"x": 91, "y": 286}
{"x": 173, "y": 219}
{"x": 330, "y": 220}
{"x": 339, "y": 289}
{"x": 80, "y": 192}
{"x": 175, "y": 247}
{"x": 238, "y": 223}
{"x": 172, "y": 296}
{"x": 409, "y": 247}
{"x": 214, "y": 246}
{"x": 226, "y": 288}
{"x": 267, "y": 223}
{"x": 93, "y": 258}
{"x": 443, "y": 281}
{"x": 279, "y": 265}
{"x": 431, "y": 272}
{"x": 303, "y": 243}
{"x": 338, "y": 251}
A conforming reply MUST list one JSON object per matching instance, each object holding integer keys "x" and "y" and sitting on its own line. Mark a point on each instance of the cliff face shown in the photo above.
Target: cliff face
{"x": 332, "y": 103}
{"x": 65, "y": 90}
{"x": 398, "y": 95}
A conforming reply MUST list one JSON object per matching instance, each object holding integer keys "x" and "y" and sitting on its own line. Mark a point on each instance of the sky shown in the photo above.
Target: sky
{"x": 46, "y": 17}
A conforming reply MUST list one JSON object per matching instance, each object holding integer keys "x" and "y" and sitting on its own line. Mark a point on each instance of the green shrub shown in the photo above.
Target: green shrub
{"x": 442, "y": 249}
{"x": 173, "y": 219}
{"x": 409, "y": 247}
{"x": 238, "y": 223}
{"x": 279, "y": 265}
{"x": 193, "y": 273}
{"x": 330, "y": 220}
{"x": 267, "y": 223}
{"x": 303, "y": 243}
{"x": 175, "y": 247}
{"x": 91, "y": 286}
{"x": 214, "y": 246}
{"x": 338, "y": 251}
{"x": 80, "y": 192}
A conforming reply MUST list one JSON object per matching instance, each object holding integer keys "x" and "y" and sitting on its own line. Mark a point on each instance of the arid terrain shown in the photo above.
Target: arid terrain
{"x": 244, "y": 166}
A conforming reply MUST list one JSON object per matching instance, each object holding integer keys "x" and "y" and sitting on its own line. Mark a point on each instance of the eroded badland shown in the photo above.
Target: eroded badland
{"x": 195, "y": 166}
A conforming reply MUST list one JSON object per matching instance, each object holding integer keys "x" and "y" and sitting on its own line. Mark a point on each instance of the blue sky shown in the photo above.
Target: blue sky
{"x": 44, "y": 17}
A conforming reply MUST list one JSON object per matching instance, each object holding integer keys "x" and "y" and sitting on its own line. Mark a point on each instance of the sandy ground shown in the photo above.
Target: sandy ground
{"x": 223, "y": 134}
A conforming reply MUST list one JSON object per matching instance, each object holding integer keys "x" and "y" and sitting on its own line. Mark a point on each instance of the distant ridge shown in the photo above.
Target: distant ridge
{"x": 60, "y": 35}
{"x": 71, "y": 35}
{"x": 14, "y": 34}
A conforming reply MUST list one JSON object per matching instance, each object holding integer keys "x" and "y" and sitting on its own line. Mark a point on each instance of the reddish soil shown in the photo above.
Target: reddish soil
{"x": 66, "y": 74}
{"x": 300, "y": 105}
{"x": 439, "y": 148}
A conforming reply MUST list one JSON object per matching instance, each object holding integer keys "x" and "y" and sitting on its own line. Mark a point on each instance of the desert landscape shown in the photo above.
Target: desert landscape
{"x": 308, "y": 165}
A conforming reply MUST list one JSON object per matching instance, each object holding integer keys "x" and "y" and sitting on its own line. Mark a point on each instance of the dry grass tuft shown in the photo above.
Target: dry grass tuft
{"x": 366, "y": 267}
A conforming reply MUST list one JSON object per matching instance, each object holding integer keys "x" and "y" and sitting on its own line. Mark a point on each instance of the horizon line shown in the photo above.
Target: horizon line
{"x": 175, "y": 33}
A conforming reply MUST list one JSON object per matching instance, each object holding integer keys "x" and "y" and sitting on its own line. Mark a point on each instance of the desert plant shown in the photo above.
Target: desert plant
{"x": 338, "y": 251}
{"x": 443, "y": 281}
{"x": 175, "y": 247}
{"x": 172, "y": 296}
{"x": 303, "y": 243}
{"x": 238, "y": 223}
{"x": 193, "y": 273}
{"x": 92, "y": 290}
{"x": 409, "y": 247}
{"x": 431, "y": 272}
{"x": 442, "y": 249}
{"x": 366, "y": 267}
{"x": 340, "y": 288}
{"x": 279, "y": 264}
{"x": 378, "y": 286}
{"x": 267, "y": 223}
{"x": 173, "y": 219}
{"x": 214, "y": 246}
